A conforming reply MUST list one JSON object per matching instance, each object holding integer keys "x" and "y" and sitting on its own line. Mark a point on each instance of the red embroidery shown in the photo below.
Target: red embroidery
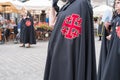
{"x": 118, "y": 31}
{"x": 71, "y": 27}
{"x": 28, "y": 23}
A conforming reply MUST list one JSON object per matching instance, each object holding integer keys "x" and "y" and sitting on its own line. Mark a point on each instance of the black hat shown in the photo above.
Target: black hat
{"x": 29, "y": 14}
{"x": 55, "y": 6}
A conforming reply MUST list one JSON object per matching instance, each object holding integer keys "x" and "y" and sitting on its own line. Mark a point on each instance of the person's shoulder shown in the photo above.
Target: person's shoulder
{"x": 86, "y": 3}
{"x": 82, "y": 2}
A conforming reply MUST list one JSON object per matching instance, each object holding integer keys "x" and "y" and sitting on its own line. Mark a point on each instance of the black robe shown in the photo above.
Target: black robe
{"x": 27, "y": 34}
{"x": 71, "y": 50}
{"x": 22, "y": 25}
{"x": 111, "y": 69}
{"x": 105, "y": 47}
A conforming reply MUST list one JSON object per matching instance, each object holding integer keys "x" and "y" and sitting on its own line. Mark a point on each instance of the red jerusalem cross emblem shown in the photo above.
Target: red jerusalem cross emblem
{"x": 71, "y": 27}
{"x": 28, "y": 23}
{"x": 118, "y": 31}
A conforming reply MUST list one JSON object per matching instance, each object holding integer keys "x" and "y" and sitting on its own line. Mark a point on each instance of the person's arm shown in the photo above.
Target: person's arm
{"x": 107, "y": 25}
{"x": 110, "y": 31}
{"x": 52, "y": 17}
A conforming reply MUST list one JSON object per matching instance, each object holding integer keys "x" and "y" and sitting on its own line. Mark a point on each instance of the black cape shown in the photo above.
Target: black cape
{"x": 27, "y": 33}
{"x": 71, "y": 50}
{"x": 106, "y": 48}
{"x": 22, "y": 25}
{"x": 105, "y": 45}
{"x": 112, "y": 66}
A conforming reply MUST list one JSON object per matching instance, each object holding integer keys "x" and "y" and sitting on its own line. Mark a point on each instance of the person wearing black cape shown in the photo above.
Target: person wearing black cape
{"x": 106, "y": 42}
{"x": 27, "y": 34}
{"x": 71, "y": 50}
{"x": 105, "y": 47}
{"x": 111, "y": 69}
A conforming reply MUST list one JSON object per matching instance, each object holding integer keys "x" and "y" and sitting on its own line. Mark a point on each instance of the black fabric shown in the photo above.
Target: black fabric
{"x": 111, "y": 69}
{"x": 64, "y": 0}
{"x": 7, "y": 33}
{"x": 27, "y": 33}
{"x": 106, "y": 47}
{"x": 103, "y": 53}
{"x": 108, "y": 68}
{"x": 15, "y": 30}
{"x": 71, "y": 56}
{"x": 55, "y": 6}
{"x": 22, "y": 30}
{"x": 65, "y": 6}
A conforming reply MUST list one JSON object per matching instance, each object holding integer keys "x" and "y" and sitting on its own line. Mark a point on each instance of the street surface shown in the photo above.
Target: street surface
{"x": 18, "y": 63}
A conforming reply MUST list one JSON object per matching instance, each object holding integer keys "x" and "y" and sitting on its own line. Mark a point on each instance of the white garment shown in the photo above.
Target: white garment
{"x": 107, "y": 16}
{"x": 96, "y": 25}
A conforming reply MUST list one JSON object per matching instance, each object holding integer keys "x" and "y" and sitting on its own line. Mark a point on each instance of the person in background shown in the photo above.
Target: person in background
{"x": 106, "y": 42}
{"x": 1, "y": 18}
{"x": 27, "y": 30}
{"x": 100, "y": 28}
{"x": 7, "y": 27}
{"x": 111, "y": 69}
{"x": 95, "y": 25}
{"x": 106, "y": 20}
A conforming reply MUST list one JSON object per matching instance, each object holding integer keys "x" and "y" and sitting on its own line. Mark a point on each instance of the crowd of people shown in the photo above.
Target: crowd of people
{"x": 7, "y": 27}
{"x": 19, "y": 32}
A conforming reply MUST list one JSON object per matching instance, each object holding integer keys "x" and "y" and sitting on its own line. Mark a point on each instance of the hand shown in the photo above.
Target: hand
{"x": 108, "y": 37}
{"x": 107, "y": 24}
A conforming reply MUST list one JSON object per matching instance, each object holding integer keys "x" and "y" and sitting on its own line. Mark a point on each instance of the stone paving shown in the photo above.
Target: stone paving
{"x": 22, "y": 63}
{"x": 26, "y": 63}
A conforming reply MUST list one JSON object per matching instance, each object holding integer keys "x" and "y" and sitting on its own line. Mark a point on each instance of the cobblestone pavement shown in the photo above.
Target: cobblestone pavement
{"x": 26, "y": 63}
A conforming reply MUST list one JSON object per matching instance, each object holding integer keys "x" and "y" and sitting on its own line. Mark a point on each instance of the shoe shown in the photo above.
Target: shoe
{"x": 22, "y": 46}
{"x": 27, "y": 46}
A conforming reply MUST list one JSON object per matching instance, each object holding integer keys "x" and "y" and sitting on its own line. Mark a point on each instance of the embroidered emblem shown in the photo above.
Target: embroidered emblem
{"x": 28, "y": 23}
{"x": 118, "y": 31}
{"x": 71, "y": 27}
